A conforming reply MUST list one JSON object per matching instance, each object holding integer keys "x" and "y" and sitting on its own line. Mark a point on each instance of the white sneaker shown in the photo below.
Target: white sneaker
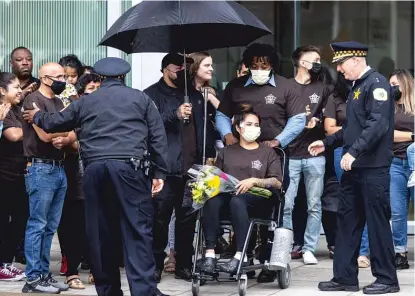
{"x": 309, "y": 258}
{"x": 411, "y": 181}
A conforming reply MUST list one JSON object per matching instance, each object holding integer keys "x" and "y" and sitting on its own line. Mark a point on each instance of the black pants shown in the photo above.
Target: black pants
{"x": 241, "y": 207}
{"x": 14, "y": 212}
{"x": 172, "y": 197}
{"x": 72, "y": 233}
{"x": 364, "y": 198}
{"x": 329, "y": 221}
{"x": 118, "y": 200}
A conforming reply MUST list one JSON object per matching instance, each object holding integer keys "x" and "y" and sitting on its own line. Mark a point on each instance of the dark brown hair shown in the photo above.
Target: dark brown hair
{"x": 6, "y": 79}
{"x": 298, "y": 53}
{"x": 244, "y": 111}
{"x": 198, "y": 58}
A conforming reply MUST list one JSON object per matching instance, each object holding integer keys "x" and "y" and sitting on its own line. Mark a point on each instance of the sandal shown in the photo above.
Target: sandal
{"x": 91, "y": 280}
{"x": 170, "y": 266}
{"x": 75, "y": 283}
{"x": 363, "y": 262}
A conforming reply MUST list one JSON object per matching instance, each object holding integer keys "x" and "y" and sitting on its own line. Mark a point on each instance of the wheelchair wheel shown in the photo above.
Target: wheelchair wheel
{"x": 242, "y": 285}
{"x": 195, "y": 287}
{"x": 284, "y": 277}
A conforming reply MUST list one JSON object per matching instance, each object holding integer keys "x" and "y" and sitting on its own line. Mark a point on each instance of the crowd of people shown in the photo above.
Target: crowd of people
{"x": 42, "y": 173}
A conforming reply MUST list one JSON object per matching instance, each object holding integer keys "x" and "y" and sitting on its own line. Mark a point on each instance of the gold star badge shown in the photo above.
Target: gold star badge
{"x": 356, "y": 94}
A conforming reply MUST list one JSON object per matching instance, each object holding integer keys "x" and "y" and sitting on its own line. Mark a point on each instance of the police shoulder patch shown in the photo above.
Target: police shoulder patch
{"x": 380, "y": 94}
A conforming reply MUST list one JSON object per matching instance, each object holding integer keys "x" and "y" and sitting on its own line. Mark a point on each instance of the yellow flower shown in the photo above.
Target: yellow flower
{"x": 213, "y": 185}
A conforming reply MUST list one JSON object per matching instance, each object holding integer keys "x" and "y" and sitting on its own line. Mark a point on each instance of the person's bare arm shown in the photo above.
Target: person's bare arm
{"x": 268, "y": 182}
{"x": 399, "y": 136}
{"x": 45, "y": 137}
{"x": 13, "y": 134}
{"x": 330, "y": 126}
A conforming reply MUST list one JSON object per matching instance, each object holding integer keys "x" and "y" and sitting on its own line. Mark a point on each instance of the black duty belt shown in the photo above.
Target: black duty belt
{"x": 45, "y": 161}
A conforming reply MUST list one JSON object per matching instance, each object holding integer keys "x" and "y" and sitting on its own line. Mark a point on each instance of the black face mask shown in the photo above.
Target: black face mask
{"x": 179, "y": 81}
{"x": 316, "y": 68}
{"x": 396, "y": 92}
{"x": 315, "y": 71}
{"x": 57, "y": 86}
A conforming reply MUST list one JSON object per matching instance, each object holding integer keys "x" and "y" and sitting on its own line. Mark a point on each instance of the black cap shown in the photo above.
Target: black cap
{"x": 347, "y": 49}
{"x": 112, "y": 67}
{"x": 175, "y": 59}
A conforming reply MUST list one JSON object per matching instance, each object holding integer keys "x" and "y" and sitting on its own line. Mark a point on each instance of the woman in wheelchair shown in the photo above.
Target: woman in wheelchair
{"x": 255, "y": 165}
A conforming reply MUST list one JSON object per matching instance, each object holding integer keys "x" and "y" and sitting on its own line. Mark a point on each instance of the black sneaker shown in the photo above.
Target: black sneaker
{"x": 183, "y": 274}
{"x": 401, "y": 261}
{"x": 40, "y": 286}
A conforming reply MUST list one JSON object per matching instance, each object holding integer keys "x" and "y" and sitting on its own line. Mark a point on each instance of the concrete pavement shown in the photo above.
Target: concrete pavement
{"x": 304, "y": 280}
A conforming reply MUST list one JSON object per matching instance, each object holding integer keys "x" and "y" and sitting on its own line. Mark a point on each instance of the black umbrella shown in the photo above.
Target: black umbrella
{"x": 184, "y": 26}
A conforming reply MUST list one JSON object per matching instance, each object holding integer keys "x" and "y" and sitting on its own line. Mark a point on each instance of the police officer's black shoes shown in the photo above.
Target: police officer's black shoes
{"x": 183, "y": 274}
{"x": 209, "y": 265}
{"x": 401, "y": 261}
{"x": 266, "y": 276}
{"x": 333, "y": 286}
{"x": 377, "y": 288}
{"x": 157, "y": 275}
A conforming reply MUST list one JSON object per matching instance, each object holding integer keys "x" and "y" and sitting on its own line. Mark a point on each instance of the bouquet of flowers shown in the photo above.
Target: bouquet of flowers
{"x": 208, "y": 181}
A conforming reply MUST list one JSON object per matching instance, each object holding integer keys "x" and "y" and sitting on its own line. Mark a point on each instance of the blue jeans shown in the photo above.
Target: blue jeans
{"x": 410, "y": 153}
{"x": 46, "y": 187}
{"x": 313, "y": 170}
{"x": 399, "y": 197}
{"x": 364, "y": 246}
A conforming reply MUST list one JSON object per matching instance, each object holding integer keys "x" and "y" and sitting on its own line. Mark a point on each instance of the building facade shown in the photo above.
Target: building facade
{"x": 52, "y": 29}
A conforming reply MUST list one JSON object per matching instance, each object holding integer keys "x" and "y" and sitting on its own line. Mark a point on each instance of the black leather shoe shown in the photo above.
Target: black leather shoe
{"x": 157, "y": 275}
{"x": 401, "y": 261}
{"x": 208, "y": 265}
{"x": 266, "y": 276}
{"x": 333, "y": 286}
{"x": 159, "y": 293}
{"x": 231, "y": 266}
{"x": 377, "y": 288}
{"x": 183, "y": 274}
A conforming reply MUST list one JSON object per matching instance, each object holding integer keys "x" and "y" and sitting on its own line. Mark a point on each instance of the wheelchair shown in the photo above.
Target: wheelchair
{"x": 283, "y": 272}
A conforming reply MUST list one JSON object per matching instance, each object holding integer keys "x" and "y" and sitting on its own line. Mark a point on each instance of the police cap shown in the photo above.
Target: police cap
{"x": 112, "y": 67}
{"x": 347, "y": 49}
{"x": 175, "y": 59}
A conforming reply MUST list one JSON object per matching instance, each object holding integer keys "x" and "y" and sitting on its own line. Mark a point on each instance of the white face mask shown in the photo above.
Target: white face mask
{"x": 251, "y": 133}
{"x": 260, "y": 77}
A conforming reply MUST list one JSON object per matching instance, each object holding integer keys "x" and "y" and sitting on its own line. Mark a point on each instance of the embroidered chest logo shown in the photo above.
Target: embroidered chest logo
{"x": 314, "y": 98}
{"x": 356, "y": 94}
{"x": 256, "y": 165}
{"x": 270, "y": 99}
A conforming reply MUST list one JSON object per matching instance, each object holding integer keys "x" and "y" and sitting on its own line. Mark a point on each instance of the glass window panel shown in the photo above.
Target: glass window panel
{"x": 52, "y": 29}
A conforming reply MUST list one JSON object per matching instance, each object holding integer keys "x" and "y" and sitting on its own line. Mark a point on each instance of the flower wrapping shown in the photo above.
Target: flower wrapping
{"x": 209, "y": 181}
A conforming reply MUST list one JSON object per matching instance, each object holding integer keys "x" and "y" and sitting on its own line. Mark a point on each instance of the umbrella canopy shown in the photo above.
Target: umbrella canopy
{"x": 184, "y": 26}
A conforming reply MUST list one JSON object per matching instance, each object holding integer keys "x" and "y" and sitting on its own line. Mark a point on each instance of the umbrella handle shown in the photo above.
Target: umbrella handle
{"x": 205, "y": 97}
{"x": 186, "y": 120}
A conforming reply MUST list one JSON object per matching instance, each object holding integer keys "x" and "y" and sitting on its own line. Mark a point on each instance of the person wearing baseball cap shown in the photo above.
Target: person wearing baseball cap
{"x": 366, "y": 137}
{"x": 185, "y": 142}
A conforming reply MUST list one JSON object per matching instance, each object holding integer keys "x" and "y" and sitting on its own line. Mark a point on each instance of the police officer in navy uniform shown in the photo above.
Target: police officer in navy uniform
{"x": 118, "y": 125}
{"x": 367, "y": 138}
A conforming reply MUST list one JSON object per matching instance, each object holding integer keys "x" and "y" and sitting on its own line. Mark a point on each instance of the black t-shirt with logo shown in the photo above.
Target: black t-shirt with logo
{"x": 33, "y": 146}
{"x": 273, "y": 104}
{"x": 336, "y": 109}
{"x": 404, "y": 122}
{"x": 242, "y": 164}
{"x": 12, "y": 161}
{"x": 314, "y": 97}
